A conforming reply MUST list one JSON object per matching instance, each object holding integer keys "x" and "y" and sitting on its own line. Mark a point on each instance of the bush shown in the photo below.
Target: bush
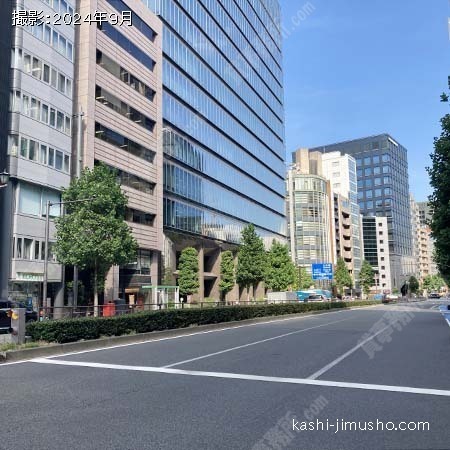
{"x": 71, "y": 330}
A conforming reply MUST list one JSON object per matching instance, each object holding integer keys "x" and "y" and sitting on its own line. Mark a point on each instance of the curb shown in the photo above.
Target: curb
{"x": 105, "y": 343}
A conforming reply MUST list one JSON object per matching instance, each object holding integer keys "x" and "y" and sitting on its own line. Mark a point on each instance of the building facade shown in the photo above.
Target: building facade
{"x": 223, "y": 128}
{"x": 310, "y": 203}
{"x": 39, "y": 149}
{"x": 376, "y": 251}
{"x": 341, "y": 171}
{"x": 119, "y": 92}
{"x": 383, "y": 191}
{"x": 425, "y": 213}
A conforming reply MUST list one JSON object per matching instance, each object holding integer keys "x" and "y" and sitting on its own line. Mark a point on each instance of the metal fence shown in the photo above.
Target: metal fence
{"x": 111, "y": 310}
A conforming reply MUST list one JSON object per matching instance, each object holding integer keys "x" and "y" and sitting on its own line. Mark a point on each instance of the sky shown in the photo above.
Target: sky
{"x": 355, "y": 68}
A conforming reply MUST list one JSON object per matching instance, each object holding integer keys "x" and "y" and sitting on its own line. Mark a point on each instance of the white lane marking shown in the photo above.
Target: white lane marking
{"x": 148, "y": 341}
{"x": 237, "y": 376}
{"x": 448, "y": 322}
{"x": 254, "y": 343}
{"x": 218, "y": 330}
{"x": 320, "y": 372}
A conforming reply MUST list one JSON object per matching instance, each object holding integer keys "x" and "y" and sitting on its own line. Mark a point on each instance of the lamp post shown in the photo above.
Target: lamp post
{"x": 47, "y": 232}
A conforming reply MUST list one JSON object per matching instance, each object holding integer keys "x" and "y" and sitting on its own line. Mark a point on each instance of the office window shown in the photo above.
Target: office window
{"x": 376, "y": 159}
{"x": 29, "y": 199}
{"x": 33, "y": 150}
{"x": 43, "y": 154}
{"x": 46, "y": 75}
{"x": 58, "y": 160}
{"x": 51, "y": 157}
{"x": 24, "y": 147}
{"x": 369, "y": 204}
{"x": 376, "y": 170}
{"x": 386, "y": 157}
{"x": 368, "y": 171}
{"x": 369, "y": 194}
{"x": 44, "y": 113}
{"x": 52, "y": 117}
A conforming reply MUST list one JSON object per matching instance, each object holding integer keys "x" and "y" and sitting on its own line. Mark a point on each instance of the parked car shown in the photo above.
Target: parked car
{"x": 30, "y": 314}
{"x": 316, "y": 298}
{"x": 434, "y": 295}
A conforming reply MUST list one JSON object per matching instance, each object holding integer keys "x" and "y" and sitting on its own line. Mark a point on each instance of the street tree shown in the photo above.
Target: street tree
{"x": 280, "y": 272}
{"x": 433, "y": 283}
{"x": 251, "y": 259}
{"x": 366, "y": 277}
{"x": 303, "y": 279}
{"x": 440, "y": 198}
{"x": 342, "y": 277}
{"x": 188, "y": 279}
{"x": 413, "y": 285}
{"x": 93, "y": 234}
{"x": 227, "y": 273}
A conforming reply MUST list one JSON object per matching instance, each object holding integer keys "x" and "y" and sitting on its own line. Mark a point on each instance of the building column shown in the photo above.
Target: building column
{"x": 201, "y": 275}
{"x": 154, "y": 268}
{"x": 112, "y": 284}
{"x": 215, "y": 269}
{"x": 6, "y": 212}
{"x": 58, "y": 311}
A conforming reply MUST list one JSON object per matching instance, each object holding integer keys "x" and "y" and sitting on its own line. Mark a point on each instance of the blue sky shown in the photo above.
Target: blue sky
{"x": 354, "y": 68}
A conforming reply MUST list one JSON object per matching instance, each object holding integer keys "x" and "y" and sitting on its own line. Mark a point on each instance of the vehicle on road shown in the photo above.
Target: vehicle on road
{"x": 434, "y": 295}
{"x": 30, "y": 314}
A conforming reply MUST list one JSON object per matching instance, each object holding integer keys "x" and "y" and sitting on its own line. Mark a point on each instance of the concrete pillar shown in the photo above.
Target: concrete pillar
{"x": 112, "y": 284}
{"x": 215, "y": 269}
{"x": 154, "y": 269}
{"x": 6, "y": 214}
{"x": 58, "y": 304}
{"x": 201, "y": 275}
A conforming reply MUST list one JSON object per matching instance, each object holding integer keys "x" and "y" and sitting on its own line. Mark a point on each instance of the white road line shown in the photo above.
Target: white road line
{"x": 197, "y": 333}
{"x": 345, "y": 355}
{"x": 237, "y": 376}
{"x": 254, "y": 343}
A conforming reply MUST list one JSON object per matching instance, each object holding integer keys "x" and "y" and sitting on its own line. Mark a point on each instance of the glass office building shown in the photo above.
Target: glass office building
{"x": 383, "y": 191}
{"x": 223, "y": 137}
{"x": 223, "y": 118}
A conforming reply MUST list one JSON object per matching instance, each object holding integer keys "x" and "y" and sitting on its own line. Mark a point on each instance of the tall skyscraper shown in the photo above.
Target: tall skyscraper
{"x": 39, "y": 148}
{"x": 383, "y": 191}
{"x": 223, "y": 127}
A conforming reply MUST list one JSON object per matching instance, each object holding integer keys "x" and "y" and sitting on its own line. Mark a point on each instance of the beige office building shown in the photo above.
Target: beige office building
{"x": 119, "y": 91}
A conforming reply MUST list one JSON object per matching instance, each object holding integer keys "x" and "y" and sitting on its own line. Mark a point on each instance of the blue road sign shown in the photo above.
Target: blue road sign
{"x": 322, "y": 271}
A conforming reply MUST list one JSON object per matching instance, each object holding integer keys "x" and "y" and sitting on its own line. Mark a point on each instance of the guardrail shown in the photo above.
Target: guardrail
{"x": 113, "y": 309}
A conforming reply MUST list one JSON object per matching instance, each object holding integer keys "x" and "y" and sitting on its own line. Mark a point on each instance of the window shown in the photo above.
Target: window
{"x": 61, "y": 83}
{"x": 46, "y": 76}
{"x": 377, "y": 181}
{"x": 368, "y": 183}
{"x": 27, "y": 63}
{"x": 67, "y": 125}
{"x": 60, "y": 121}
{"x": 376, "y": 159}
{"x": 54, "y": 78}
{"x": 51, "y": 157}
{"x": 52, "y": 117}
{"x": 377, "y": 192}
{"x": 33, "y": 151}
{"x": 66, "y": 163}
{"x": 336, "y": 174}
{"x": 367, "y": 161}
{"x": 28, "y": 248}
{"x": 386, "y": 157}
{"x": 368, "y": 171}
{"x": 29, "y": 199}
{"x": 26, "y": 105}
{"x": 48, "y": 35}
{"x": 387, "y": 180}
{"x": 370, "y": 204}
{"x": 24, "y": 147}
{"x": 376, "y": 170}
{"x": 386, "y": 169}
{"x": 37, "y": 69}
{"x": 44, "y": 113}
{"x": 35, "y": 108}
{"x": 359, "y": 173}
{"x": 369, "y": 194}
{"x": 59, "y": 160}
{"x": 37, "y": 254}
{"x": 43, "y": 154}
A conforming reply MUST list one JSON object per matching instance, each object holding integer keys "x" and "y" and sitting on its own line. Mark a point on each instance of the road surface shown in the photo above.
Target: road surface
{"x": 251, "y": 387}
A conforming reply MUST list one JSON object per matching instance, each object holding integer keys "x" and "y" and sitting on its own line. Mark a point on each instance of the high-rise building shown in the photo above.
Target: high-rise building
{"x": 309, "y": 200}
{"x": 383, "y": 191}
{"x": 39, "y": 148}
{"x": 415, "y": 233}
{"x": 376, "y": 251}
{"x": 425, "y": 213}
{"x": 223, "y": 127}
{"x": 119, "y": 90}
{"x": 341, "y": 171}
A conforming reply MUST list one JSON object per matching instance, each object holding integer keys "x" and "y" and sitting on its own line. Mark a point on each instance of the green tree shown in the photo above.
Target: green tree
{"x": 280, "y": 271}
{"x": 303, "y": 279}
{"x": 342, "y": 278}
{"x": 440, "y": 198}
{"x": 227, "y": 276}
{"x": 188, "y": 280}
{"x": 433, "y": 283}
{"x": 93, "y": 234}
{"x": 413, "y": 285}
{"x": 366, "y": 277}
{"x": 251, "y": 259}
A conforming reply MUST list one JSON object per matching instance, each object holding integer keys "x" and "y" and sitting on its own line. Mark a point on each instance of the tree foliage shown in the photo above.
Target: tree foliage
{"x": 342, "y": 277}
{"x": 413, "y": 284}
{"x": 93, "y": 234}
{"x": 188, "y": 279}
{"x": 227, "y": 275}
{"x": 280, "y": 271}
{"x": 366, "y": 277}
{"x": 251, "y": 258}
{"x": 303, "y": 279}
{"x": 440, "y": 198}
{"x": 433, "y": 283}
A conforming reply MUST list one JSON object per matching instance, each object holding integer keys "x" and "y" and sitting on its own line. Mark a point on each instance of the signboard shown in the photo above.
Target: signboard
{"x": 23, "y": 276}
{"x": 322, "y": 271}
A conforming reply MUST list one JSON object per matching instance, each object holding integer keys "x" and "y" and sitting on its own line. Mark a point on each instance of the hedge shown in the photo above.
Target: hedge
{"x": 71, "y": 330}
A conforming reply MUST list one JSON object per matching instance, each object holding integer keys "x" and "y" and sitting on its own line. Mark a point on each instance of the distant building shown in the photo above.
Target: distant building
{"x": 309, "y": 212}
{"x": 376, "y": 251}
{"x": 341, "y": 171}
{"x": 424, "y": 213}
{"x": 383, "y": 191}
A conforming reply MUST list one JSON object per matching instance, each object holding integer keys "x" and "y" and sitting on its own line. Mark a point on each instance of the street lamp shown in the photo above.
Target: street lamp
{"x": 47, "y": 232}
{"x": 4, "y": 179}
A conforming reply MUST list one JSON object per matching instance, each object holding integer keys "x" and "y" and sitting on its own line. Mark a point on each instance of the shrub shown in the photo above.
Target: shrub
{"x": 71, "y": 330}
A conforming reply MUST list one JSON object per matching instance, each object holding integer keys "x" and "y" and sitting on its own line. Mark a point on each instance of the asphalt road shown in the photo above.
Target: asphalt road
{"x": 244, "y": 388}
